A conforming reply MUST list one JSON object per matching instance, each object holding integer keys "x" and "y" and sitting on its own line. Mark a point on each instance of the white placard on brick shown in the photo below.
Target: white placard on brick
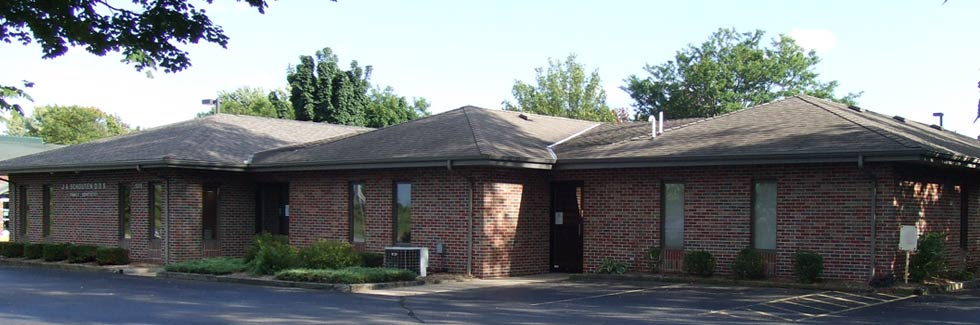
{"x": 908, "y": 238}
{"x": 559, "y": 217}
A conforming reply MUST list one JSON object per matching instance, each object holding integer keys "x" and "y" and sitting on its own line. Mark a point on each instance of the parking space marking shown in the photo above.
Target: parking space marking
{"x": 859, "y": 296}
{"x": 795, "y": 309}
{"x": 857, "y": 307}
{"x": 607, "y": 294}
{"x": 807, "y": 306}
{"x": 767, "y": 314}
{"x": 759, "y": 304}
{"x": 825, "y": 302}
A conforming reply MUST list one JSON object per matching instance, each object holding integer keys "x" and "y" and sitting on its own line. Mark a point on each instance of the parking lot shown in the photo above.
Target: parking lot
{"x": 42, "y": 296}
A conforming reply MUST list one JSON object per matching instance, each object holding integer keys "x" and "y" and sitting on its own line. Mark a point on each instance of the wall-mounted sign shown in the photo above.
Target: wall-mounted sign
{"x": 83, "y": 186}
{"x": 559, "y": 217}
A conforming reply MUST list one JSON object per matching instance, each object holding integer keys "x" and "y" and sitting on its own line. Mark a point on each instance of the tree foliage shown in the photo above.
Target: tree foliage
{"x": 254, "y": 102}
{"x": 66, "y": 124}
{"x": 728, "y": 72}
{"x": 387, "y": 108}
{"x": 564, "y": 89}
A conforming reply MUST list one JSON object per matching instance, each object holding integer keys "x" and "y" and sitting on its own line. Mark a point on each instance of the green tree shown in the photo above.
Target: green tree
{"x": 387, "y": 108}
{"x": 254, "y": 102}
{"x": 66, "y": 124}
{"x": 565, "y": 89}
{"x": 728, "y": 72}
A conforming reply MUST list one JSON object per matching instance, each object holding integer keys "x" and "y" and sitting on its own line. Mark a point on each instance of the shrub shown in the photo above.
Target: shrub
{"x": 930, "y": 257}
{"x": 81, "y": 254}
{"x": 656, "y": 255}
{"x": 112, "y": 256}
{"x": 749, "y": 264}
{"x": 372, "y": 259}
{"x": 216, "y": 266}
{"x": 55, "y": 252}
{"x": 611, "y": 266}
{"x": 263, "y": 239}
{"x": 347, "y": 275}
{"x": 883, "y": 280}
{"x": 961, "y": 274}
{"x": 272, "y": 257}
{"x": 699, "y": 263}
{"x": 3, "y": 247}
{"x": 13, "y": 249}
{"x": 33, "y": 251}
{"x": 329, "y": 254}
{"x": 808, "y": 266}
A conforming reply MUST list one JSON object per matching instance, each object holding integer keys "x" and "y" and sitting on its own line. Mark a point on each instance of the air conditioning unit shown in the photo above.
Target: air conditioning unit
{"x": 415, "y": 259}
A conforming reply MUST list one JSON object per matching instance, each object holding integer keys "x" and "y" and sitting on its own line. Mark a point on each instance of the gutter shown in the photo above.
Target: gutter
{"x": 551, "y": 147}
{"x": 873, "y": 218}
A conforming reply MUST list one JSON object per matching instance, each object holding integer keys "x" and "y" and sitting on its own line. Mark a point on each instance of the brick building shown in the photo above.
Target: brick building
{"x": 511, "y": 194}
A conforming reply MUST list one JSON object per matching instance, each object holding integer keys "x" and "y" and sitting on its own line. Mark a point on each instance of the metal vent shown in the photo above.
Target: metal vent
{"x": 936, "y": 127}
{"x": 855, "y": 108}
{"x": 415, "y": 259}
{"x": 899, "y": 118}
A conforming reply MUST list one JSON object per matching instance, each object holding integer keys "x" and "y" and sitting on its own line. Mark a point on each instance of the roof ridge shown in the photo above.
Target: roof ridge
{"x": 306, "y": 144}
{"x": 902, "y": 140}
{"x": 476, "y": 138}
{"x": 286, "y": 120}
{"x": 532, "y": 114}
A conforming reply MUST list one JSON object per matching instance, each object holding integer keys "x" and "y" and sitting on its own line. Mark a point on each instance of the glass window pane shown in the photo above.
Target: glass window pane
{"x": 764, "y": 215}
{"x": 47, "y": 206}
{"x": 403, "y": 212}
{"x": 358, "y": 201}
{"x": 674, "y": 215}
{"x": 125, "y": 212}
{"x": 157, "y": 211}
{"x": 209, "y": 213}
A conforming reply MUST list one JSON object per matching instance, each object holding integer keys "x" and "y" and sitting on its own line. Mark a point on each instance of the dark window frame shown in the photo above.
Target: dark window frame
{"x": 217, "y": 207}
{"x": 350, "y": 210}
{"x": 663, "y": 212}
{"x": 125, "y": 196}
{"x": 965, "y": 216}
{"x": 22, "y": 208}
{"x": 46, "y": 210}
{"x": 752, "y": 230}
{"x": 394, "y": 212}
{"x": 151, "y": 190}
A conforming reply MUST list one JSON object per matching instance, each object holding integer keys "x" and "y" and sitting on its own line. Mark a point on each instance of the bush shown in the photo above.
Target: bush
{"x": 13, "y": 249}
{"x": 260, "y": 240}
{"x": 112, "y": 256}
{"x": 372, "y": 259}
{"x": 33, "y": 251}
{"x": 55, "y": 252}
{"x": 329, "y": 254}
{"x": 216, "y": 266}
{"x": 347, "y": 275}
{"x": 611, "y": 266}
{"x": 930, "y": 257}
{"x": 808, "y": 266}
{"x": 961, "y": 274}
{"x": 81, "y": 254}
{"x": 749, "y": 264}
{"x": 656, "y": 255}
{"x": 272, "y": 257}
{"x": 699, "y": 263}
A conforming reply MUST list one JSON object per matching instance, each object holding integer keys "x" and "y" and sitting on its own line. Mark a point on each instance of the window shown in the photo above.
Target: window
{"x": 964, "y": 217}
{"x": 357, "y": 213}
{"x": 22, "y": 210}
{"x": 47, "y": 207}
{"x": 764, "y": 215}
{"x": 156, "y": 210}
{"x": 209, "y": 212}
{"x": 403, "y": 212}
{"x": 125, "y": 212}
{"x": 673, "y": 229}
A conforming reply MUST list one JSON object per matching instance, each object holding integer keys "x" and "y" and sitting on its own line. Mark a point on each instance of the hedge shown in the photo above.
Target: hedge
{"x": 216, "y": 266}
{"x": 328, "y": 254}
{"x": 55, "y": 252}
{"x": 348, "y": 275}
{"x": 699, "y": 263}
{"x": 13, "y": 249}
{"x": 112, "y": 256}
{"x": 33, "y": 251}
{"x": 81, "y": 253}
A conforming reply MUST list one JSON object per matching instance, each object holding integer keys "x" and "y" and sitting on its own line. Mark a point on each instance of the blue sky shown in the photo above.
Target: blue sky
{"x": 911, "y": 58}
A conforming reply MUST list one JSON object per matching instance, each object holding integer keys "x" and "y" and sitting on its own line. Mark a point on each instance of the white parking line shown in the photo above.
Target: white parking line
{"x": 856, "y": 308}
{"x": 607, "y": 295}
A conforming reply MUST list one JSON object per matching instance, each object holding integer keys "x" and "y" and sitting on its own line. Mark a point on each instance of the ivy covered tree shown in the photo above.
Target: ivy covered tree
{"x": 149, "y": 34}
{"x": 564, "y": 89}
{"x": 728, "y": 72}
{"x": 254, "y": 102}
{"x": 66, "y": 124}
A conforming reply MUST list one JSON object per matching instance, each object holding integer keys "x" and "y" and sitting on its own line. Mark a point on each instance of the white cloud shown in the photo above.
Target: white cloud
{"x": 820, "y": 40}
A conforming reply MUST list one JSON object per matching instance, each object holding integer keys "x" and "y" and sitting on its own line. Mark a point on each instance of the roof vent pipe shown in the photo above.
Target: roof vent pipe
{"x": 661, "y": 122}
{"x": 653, "y": 126}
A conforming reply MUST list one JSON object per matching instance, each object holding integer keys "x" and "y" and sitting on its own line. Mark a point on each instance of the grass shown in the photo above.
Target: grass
{"x": 216, "y": 266}
{"x": 349, "y": 275}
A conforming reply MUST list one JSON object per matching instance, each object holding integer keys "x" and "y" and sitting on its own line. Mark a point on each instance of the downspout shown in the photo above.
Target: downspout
{"x": 874, "y": 216}
{"x": 469, "y": 218}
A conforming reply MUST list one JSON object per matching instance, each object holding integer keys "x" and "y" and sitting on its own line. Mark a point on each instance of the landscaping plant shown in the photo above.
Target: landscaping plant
{"x": 656, "y": 255}
{"x": 55, "y": 252}
{"x": 273, "y": 256}
{"x": 699, "y": 263}
{"x": 216, "y": 266}
{"x": 930, "y": 257}
{"x": 33, "y": 251}
{"x": 112, "y": 256}
{"x": 329, "y": 254}
{"x": 263, "y": 239}
{"x": 347, "y": 275}
{"x": 369, "y": 259}
{"x": 611, "y": 266}
{"x": 808, "y": 266}
{"x": 81, "y": 253}
{"x": 13, "y": 249}
{"x": 749, "y": 264}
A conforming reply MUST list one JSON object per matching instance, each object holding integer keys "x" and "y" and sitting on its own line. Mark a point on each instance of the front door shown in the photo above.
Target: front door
{"x": 272, "y": 209}
{"x": 566, "y": 227}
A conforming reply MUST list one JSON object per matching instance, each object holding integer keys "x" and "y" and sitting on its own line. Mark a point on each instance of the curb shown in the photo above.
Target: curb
{"x": 347, "y": 288}
{"x": 862, "y": 288}
{"x": 62, "y": 265}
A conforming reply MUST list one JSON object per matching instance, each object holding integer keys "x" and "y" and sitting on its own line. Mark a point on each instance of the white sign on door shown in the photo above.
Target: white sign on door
{"x": 908, "y": 238}
{"x": 559, "y": 217}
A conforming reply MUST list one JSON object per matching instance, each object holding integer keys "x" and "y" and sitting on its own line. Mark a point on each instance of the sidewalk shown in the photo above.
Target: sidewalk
{"x": 459, "y": 285}
{"x": 136, "y": 269}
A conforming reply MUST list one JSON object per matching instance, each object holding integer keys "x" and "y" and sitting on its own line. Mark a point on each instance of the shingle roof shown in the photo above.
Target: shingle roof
{"x": 609, "y": 133}
{"x": 466, "y": 133}
{"x": 795, "y": 126}
{"x": 220, "y": 140}
{"x": 16, "y": 146}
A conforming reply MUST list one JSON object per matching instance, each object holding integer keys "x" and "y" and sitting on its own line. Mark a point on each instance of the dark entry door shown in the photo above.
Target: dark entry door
{"x": 272, "y": 209}
{"x": 566, "y": 227}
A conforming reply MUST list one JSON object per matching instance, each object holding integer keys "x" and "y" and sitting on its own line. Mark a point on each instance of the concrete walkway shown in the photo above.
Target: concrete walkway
{"x": 460, "y": 285}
